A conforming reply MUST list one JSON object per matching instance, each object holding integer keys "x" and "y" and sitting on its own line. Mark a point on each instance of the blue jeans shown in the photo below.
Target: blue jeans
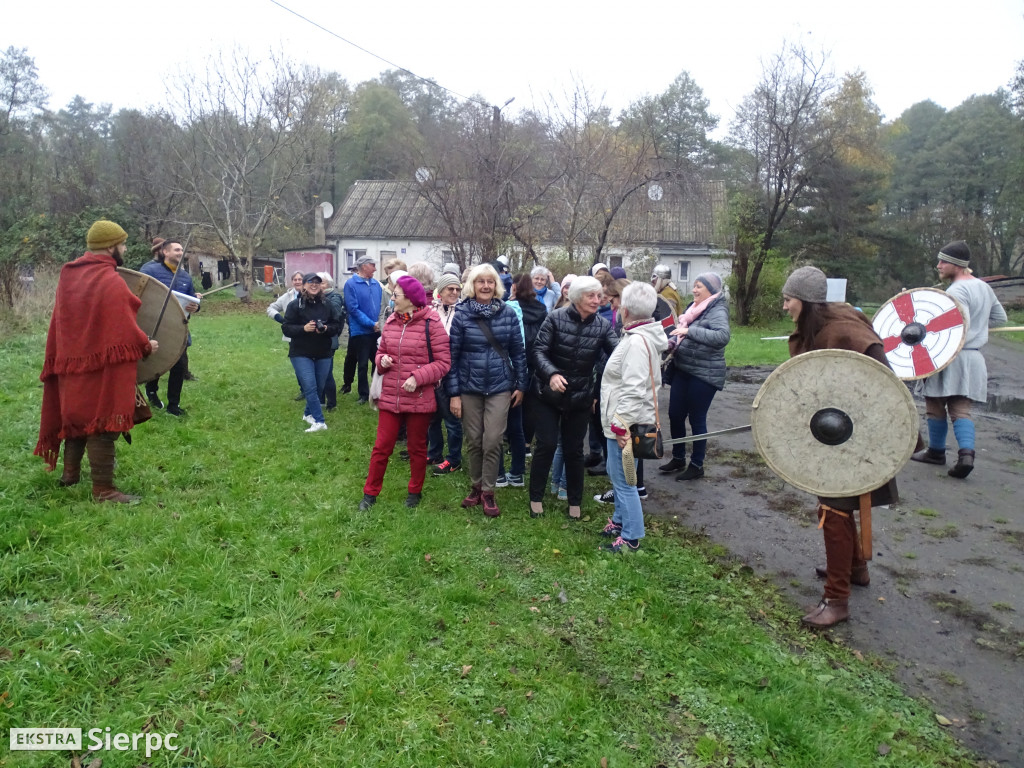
{"x": 628, "y": 512}
{"x": 690, "y": 399}
{"x": 312, "y": 375}
{"x": 516, "y": 443}
{"x": 558, "y": 467}
{"x": 435, "y": 439}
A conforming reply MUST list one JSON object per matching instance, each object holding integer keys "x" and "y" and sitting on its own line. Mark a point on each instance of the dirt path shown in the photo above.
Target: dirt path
{"x": 946, "y": 601}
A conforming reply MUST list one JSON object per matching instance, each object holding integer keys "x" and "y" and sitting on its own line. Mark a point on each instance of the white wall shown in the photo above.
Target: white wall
{"x": 409, "y": 251}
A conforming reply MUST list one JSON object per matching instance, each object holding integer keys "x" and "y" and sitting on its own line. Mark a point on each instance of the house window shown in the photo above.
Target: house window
{"x": 614, "y": 261}
{"x": 683, "y": 283}
{"x": 351, "y": 254}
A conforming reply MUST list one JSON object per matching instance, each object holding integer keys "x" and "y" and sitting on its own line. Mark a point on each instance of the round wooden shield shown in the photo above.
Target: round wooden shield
{"x": 922, "y": 329}
{"x": 172, "y": 331}
{"x": 834, "y": 423}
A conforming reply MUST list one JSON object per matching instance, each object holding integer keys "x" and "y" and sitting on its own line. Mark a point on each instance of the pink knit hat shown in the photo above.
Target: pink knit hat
{"x": 413, "y": 290}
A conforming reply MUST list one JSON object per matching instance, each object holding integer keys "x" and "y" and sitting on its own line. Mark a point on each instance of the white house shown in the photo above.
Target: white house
{"x": 387, "y": 219}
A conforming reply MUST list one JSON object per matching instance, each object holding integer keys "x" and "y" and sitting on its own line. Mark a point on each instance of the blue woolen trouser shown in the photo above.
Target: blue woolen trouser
{"x": 690, "y": 399}
{"x": 312, "y": 375}
{"x": 628, "y": 512}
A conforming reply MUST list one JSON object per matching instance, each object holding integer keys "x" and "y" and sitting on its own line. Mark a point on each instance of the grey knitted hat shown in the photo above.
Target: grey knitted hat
{"x": 711, "y": 280}
{"x": 445, "y": 280}
{"x": 807, "y": 284}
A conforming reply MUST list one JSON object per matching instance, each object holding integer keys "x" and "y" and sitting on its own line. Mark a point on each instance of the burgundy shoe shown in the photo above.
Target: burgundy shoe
{"x": 474, "y": 498}
{"x": 114, "y": 495}
{"x": 490, "y": 505}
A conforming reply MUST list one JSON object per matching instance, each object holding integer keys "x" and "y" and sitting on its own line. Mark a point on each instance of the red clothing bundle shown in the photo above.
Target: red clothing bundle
{"x": 92, "y": 350}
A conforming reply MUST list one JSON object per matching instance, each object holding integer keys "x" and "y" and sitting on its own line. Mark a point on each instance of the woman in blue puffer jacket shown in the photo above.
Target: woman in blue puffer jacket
{"x": 488, "y": 376}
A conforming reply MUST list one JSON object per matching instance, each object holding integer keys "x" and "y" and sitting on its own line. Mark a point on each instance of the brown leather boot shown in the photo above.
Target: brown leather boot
{"x": 930, "y": 456}
{"x": 828, "y": 612}
{"x": 859, "y": 575}
{"x": 101, "y": 462}
{"x": 74, "y": 450}
{"x": 112, "y": 494}
{"x": 964, "y": 464}
{"x": 474, "y": 498}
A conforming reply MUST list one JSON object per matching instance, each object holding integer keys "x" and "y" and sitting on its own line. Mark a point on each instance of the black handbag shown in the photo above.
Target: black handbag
{"x": 646, "y": 438}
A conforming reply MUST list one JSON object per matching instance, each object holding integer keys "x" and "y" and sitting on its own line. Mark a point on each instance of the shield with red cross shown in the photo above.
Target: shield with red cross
{"x": 922, "y": 329}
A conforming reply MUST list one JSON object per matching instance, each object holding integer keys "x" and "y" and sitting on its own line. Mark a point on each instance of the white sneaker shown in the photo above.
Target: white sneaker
{"x": 608, "y": 497}
{"x": 317, "y": 426}
{"x": 309, "y": 420}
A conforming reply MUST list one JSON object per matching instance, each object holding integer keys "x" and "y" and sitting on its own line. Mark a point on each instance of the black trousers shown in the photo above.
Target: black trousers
{"x": 175, "y": 381}
{"x": 550, "y": 424}
{"x": 361, "y": 350}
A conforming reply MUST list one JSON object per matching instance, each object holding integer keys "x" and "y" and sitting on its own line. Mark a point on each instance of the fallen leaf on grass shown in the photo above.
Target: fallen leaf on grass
{"x": 535, "y": 609}
{"x": 235, "y": 666}
{"x": 501, "y": 712}
{"x": 6, "y": 654}
{"x": 858, "y": 655}
{"x": 943, "y": 720}
{"x": 529, "y": 695}
{"x": 466, "y": 668}
{"x": 97, "y": 763}
{"x": 149, "y": 724}
{"x": 259, "y": 737}
{"x": 337, "y": 594}
{"x": 427, "y": 557}
{"x": 556, "y": 551}
{"x": 884, "y": 749}
{"x": 546, "y": 599}
{"x": 562, "y": 597}
{"x": 881, "y": 599}
{"x": 604, "y": 762}
{"x": 638, "y": 675}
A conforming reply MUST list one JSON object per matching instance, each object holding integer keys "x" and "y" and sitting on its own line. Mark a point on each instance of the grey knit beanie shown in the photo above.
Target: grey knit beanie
{"x": 807, "y": 284}
{"x": 445, "y": 280}
{"x": 710, "y": 280}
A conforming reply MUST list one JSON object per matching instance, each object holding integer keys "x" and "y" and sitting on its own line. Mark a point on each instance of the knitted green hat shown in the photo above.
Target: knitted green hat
{"x": 104, "y": 234}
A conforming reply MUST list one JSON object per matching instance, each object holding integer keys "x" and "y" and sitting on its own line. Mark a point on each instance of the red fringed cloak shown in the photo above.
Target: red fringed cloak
{"x": 92, "y": 349}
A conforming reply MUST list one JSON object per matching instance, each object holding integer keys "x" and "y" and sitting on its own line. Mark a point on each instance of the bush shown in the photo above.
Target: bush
{"x": 767, "y": 307}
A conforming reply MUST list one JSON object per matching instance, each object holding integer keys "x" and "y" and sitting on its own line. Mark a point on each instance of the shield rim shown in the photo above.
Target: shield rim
{"x": 819, "y": 486}
{"x": 174, "y": 313}
{"x": 960, "y": 308}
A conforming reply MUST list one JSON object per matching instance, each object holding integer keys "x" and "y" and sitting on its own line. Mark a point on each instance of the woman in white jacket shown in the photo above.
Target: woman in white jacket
{"x": 631, "y": 377}
{"x": 276, "y": 309}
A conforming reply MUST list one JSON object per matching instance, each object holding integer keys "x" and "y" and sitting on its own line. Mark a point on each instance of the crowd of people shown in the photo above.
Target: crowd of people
{"x": 564, "y": 371}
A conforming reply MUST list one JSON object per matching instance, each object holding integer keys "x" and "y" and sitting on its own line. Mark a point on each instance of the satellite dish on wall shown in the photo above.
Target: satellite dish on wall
{"x": 328, "y": 209}
{"x": 422, "y": 175}
{"x": 654, "y": 192}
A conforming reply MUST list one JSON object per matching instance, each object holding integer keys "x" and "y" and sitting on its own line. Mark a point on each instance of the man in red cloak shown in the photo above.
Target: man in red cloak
{"x": 89, "y": 370}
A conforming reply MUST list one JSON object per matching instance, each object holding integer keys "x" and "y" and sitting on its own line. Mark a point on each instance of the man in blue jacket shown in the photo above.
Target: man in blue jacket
{"x": 362, "y": 299}
{"x": 164, "y": 267}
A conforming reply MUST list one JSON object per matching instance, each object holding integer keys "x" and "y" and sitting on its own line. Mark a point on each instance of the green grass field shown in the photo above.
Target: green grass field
{"x": 245, "y": 604}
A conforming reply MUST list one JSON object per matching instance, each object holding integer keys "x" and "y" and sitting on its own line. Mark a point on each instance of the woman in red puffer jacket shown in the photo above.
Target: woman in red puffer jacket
{"x": 412, "y": 357}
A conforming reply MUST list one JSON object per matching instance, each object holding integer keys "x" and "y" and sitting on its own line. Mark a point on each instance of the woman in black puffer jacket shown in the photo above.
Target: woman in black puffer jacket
{"x": 570, "y": 343}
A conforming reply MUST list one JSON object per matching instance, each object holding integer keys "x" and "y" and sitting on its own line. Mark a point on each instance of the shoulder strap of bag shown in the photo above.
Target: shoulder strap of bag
{"x": 430, "y": 349}
{"x": 654, "y": 390}
{"x": 486, "y": 328}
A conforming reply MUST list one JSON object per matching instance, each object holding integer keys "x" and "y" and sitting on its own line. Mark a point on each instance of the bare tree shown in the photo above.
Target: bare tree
{"x": 785, "y": 140}
{"x": 247, "y": 128}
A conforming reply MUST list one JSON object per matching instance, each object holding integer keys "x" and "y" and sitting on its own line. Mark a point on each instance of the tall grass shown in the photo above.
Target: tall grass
{"x": 246, "y": 604}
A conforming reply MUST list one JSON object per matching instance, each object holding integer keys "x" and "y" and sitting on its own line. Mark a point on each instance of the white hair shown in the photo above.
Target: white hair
{"x": 469, "y": 289}
{"x": 582, "y": 286}
{"x": 639, "y": 300}
{"x": 327, "y": 280}
{"x": 539, "y": 271}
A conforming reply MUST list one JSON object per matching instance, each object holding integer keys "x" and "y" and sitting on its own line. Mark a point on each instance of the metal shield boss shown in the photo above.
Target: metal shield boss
{"x": 922, "y": 330}
{"x": 172, "y": 331}
{"x": 834, "y": 423}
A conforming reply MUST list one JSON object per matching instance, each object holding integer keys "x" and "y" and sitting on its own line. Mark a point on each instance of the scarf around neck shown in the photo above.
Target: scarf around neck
{"x": 696, "y": 310}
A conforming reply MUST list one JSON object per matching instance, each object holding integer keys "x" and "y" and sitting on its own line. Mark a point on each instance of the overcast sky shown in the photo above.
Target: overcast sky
{"x": 123, "y": 51}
